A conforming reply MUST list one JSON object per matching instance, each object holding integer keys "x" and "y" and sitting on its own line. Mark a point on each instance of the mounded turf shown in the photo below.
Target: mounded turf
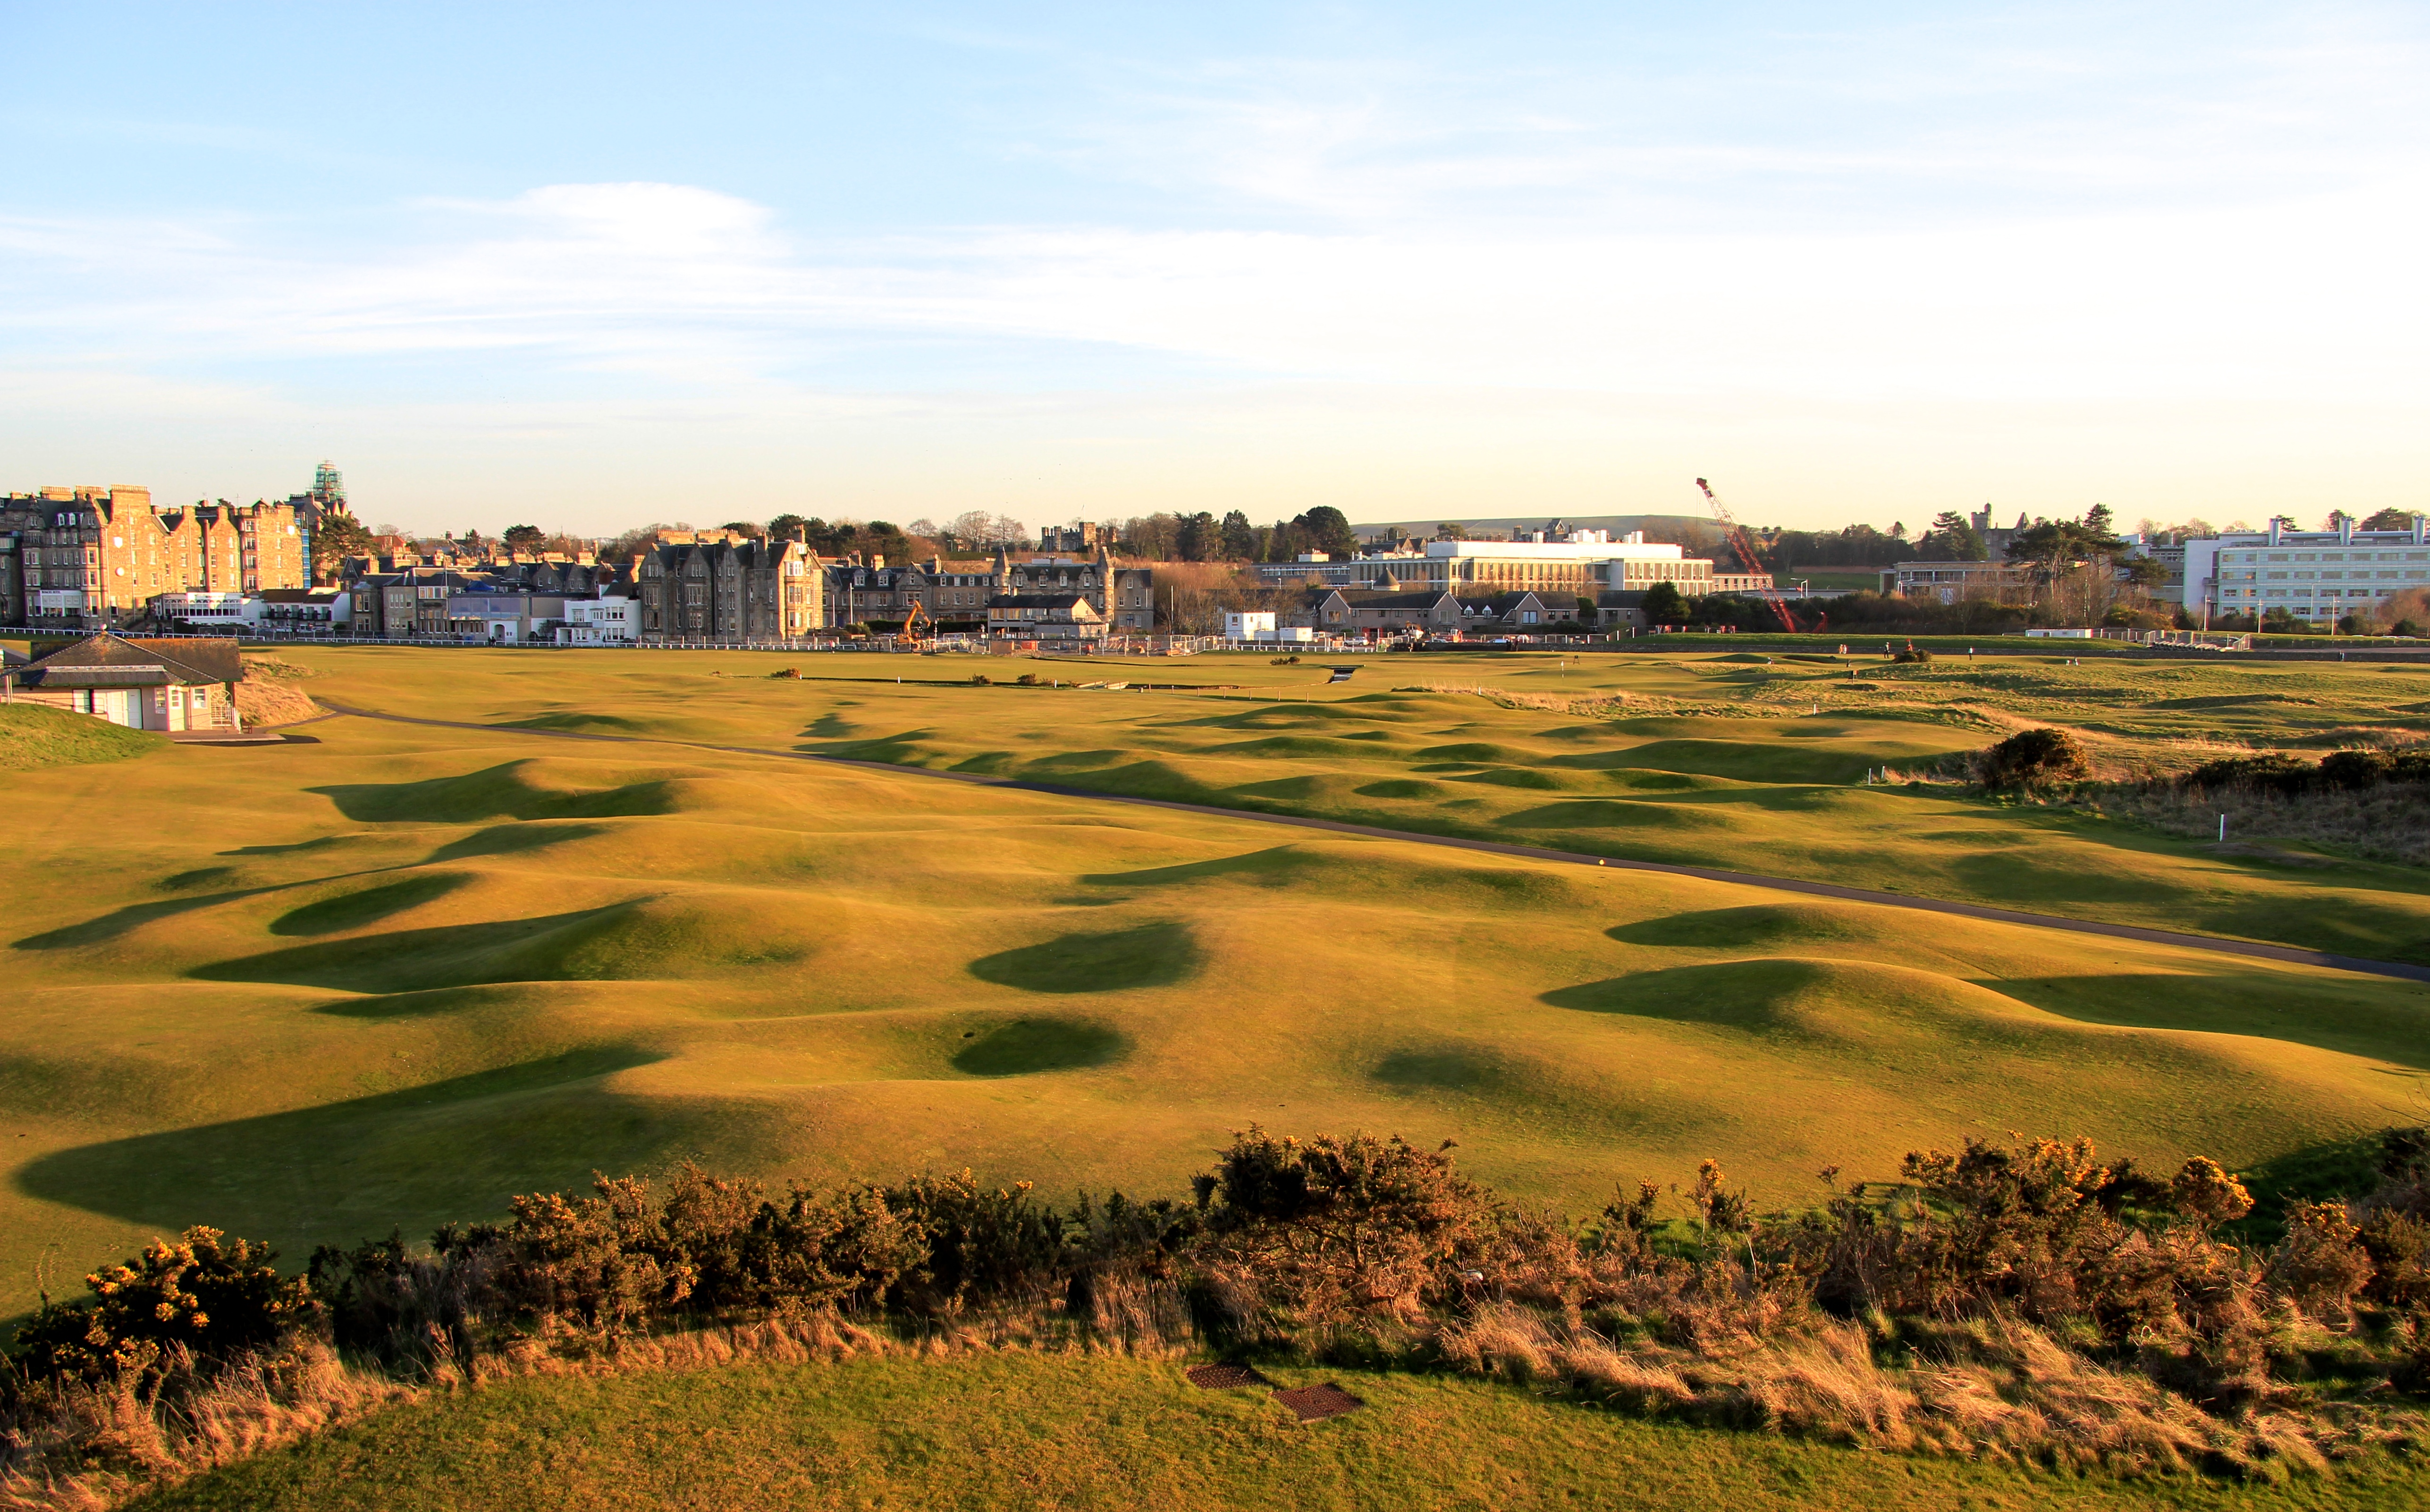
{"x": 35, "y": 734}
{"x": 389, "y": 976}
{"x": 1703, "y": 760}
{"x": 1077, "y": 1432}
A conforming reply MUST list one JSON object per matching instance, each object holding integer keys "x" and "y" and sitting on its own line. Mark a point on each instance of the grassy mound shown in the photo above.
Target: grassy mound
{"x": 34, "y": 736}
{"x": 993, "y": 1431}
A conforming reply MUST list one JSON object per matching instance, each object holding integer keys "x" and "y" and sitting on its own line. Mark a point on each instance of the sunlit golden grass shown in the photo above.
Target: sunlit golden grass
{"x": 308, "y": 991}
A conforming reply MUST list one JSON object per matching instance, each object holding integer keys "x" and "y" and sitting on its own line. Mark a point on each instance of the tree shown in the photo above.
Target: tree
{"x": 1199, "y": 537}
{"x": 1239, "y": 538}
{"x": 2099, "y": 520}
{"x": 783, "y": 526}
{"x": 1451, "y": 530}
{"x": 1664, "y": 604}
{"x": 524, "y": 538}
{"x": 1329, "y": 530}
{"x": 2073, "y": 559}
{"x": 1952, "y": 539}
{"x": 337, "y": 536}
{"x": 2388, "y": 520}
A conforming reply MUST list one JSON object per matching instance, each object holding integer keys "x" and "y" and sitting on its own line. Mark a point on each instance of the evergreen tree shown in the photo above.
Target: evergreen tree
{"x": 1240, "y": 539}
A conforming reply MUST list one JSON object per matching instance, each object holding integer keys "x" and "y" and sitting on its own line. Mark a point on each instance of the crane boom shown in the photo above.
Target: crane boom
{"x": 1744, "y": 545}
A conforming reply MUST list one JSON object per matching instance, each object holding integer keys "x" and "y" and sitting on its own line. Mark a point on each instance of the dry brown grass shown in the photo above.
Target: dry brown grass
{"x": 1997, "y": 1388}
{"x": 269, "y": 695}
{"x": 2390, "y": 822}
{"x": 96, "y": 1446}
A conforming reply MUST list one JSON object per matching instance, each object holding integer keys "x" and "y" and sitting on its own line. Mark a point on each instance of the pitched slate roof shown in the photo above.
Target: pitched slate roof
{"x": 1394, "y": 601}
{"x": 113, "y": 660}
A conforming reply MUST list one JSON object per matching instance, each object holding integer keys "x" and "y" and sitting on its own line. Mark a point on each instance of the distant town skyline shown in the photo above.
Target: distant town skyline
{"x": 594, "y": 269}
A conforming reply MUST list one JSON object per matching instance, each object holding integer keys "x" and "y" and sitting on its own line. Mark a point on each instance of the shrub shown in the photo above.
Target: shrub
{"x": 1284, "y": 661}
{"x": 1335, "y": 1227}
{"x": 1915, "y": 654}
{"x": 2320, "y": 1265}
{"x": 2355, "y": 769}
{"x": 980, "y": 679}
{"x": 789, "y": 673}
{"x": 2268, "y": 773}
{"x": 202, "y": 1293}
{"x": 1027, "y": 679}
{"x": 2031, "y": 758}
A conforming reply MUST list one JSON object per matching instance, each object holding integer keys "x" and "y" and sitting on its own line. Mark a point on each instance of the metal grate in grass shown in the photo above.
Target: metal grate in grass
{"x": 1217, "y": 1377}
{"x": 1314, "y": 1403}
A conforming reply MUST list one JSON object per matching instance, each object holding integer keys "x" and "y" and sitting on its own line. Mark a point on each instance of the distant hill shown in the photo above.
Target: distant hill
{"x": 1657, "y": 526}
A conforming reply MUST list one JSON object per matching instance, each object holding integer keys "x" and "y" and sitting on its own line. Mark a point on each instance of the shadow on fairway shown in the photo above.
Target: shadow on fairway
{"x": 1150, "y": 956}
{"x": 2259, "y": 1005}
{"x": 134, "y": 916}
{"x": 1277, "y": 865}
{"x": 352, "y": 910}
{"x": 1026, "y": 1046}
{"x": 453, "y": 1149}
{"x": 1732, "y": 928}
{"x": 509, "y": 950}
{"x": 503, "y": 792}
{"x": 507, "y": 840}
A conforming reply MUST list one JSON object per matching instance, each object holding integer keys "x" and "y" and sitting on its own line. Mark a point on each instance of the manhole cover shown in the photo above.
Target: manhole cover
{"x": 1216, "y": 1377}
{"x": 1314, "y": 1403}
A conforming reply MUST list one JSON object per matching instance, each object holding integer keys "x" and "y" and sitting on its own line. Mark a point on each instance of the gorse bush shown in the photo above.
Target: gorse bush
{"x": 2034, "y": 758}
{"x": 202, "y": 1294}
{"x": 2103, "y": 1302}
{"x": 2290, "y": 776}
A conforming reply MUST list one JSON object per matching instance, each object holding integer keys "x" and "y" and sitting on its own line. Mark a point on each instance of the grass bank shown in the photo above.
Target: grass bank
{"x": 33, "y": 737}
{"x": 986, "y": 1429}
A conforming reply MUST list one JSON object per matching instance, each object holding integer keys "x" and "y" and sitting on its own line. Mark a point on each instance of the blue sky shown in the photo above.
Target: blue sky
{"x": 594, "y": 266}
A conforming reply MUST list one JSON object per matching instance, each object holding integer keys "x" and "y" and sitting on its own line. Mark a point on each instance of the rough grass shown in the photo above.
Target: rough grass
{"x": 750, "y": 1422}
{"x": 33, "y": 736}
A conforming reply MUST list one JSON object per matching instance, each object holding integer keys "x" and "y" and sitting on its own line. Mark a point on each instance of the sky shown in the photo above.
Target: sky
{"x": 601, "y": 266}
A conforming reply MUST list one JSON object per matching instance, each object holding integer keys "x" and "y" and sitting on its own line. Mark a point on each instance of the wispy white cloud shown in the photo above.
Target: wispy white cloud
{"x": 682, "y": 284}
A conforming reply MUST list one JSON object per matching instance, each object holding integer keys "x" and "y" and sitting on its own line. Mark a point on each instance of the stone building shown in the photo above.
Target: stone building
{"x": 1122, "y": 597}
{"x": 145, "y": 684}
{"x": 953, "y": 594}
{"x": 87, "y": 557}
{"x": 1061, "y": 619}
{"x": 725, "y": 590}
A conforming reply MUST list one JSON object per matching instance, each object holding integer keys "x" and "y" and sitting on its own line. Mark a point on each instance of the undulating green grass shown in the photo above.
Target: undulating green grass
{"x": 1749, "y": 762}
{"x": 387, "y": 974}
{"x": 1077, "y": 1432}
{"x": 391, "y": 974}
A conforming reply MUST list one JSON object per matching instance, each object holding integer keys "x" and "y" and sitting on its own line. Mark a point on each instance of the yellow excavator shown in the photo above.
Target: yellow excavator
{"x": 913, "y": 621}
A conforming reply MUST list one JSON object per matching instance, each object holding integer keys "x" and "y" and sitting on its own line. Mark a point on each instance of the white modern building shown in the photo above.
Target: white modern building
{"x": 1583, "y": 563}
{"x": 2311, "y": 575}
{"x": 596, "y": 623}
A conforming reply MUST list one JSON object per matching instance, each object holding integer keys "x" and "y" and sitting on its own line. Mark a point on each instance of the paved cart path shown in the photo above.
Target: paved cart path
{"x": 2214, "y": 944}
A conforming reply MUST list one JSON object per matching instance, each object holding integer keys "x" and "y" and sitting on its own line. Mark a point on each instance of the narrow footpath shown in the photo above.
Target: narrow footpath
{"x": 2213, "y": 943}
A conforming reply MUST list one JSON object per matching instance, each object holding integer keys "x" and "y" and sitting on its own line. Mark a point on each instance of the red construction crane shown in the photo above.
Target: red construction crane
{"x": 1743, "y": 544}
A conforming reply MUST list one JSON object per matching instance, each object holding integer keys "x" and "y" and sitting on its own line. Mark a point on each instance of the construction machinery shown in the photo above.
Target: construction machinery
{"x": 1743, "y": 544}
{"x": 912, "y": 622}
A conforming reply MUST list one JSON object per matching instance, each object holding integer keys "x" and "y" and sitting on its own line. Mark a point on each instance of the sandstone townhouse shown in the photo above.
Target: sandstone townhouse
{"x": 91, "y": 557}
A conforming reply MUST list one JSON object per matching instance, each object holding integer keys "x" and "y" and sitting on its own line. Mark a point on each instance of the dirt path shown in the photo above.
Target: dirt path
{"x": 2214, "y": 944}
